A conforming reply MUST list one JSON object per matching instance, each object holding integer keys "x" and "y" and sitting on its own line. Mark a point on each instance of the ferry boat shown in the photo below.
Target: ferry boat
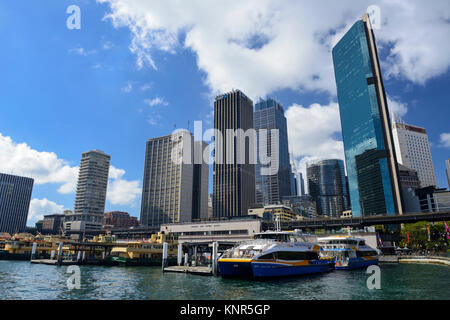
{"x": 144, "y": 253}
{"x": 348, "y": 252}
{"x": 19, "y": 247}
{"x": 273, "y": 254}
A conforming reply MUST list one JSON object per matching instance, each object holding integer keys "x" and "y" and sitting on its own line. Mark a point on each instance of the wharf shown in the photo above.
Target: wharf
{"x": 54, "y": 262}
{"x": 415, "y": 259}
{"x": 200, "y": 270}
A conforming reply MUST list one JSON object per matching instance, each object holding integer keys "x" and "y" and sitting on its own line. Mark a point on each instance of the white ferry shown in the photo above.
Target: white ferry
{"x": 273, "y": 254}
{"x": 348, "y": 252}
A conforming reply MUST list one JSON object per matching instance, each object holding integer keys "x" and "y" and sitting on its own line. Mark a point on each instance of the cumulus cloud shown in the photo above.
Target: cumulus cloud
{"x": 46, "y": 167}
{"x": 445, "y": 140}
{"x": 396, "y": 107}
{"x": 41, "y": 207}
{"x": 261, "y": 46}
{"x": 314, "y": 133}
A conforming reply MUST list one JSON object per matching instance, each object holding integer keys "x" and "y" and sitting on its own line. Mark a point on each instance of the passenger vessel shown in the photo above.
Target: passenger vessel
{"x": 273, "y": 254}
{"x": 144, "y": 253}
{"x": 348, "y": 252}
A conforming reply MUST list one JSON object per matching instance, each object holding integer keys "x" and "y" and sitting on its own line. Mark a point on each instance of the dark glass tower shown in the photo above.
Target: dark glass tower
{"x": 234, "y": 180}
{"x": 15, "y": 196}
{"x": 269, "y": 115}
{"x": 369, "y": 150}
{"x": 326, "y": 183}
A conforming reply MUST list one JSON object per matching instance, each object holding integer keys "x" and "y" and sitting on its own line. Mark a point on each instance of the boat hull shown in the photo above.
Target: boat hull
{"x": 235, "y": 268}
{"x": 147, "y": 262}
{"x": 271, "y": 270}
{"x": 357, "y": 264}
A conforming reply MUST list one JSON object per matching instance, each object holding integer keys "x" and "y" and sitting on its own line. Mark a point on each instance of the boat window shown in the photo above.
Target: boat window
{"x": 292, "y": 255}
{"x": 362, "y": 243}
{"x": 268, "y": 256}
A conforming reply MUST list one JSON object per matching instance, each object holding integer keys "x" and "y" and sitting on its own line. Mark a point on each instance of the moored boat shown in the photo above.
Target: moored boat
{"x": 273, "y": 254}
{"x": 348, "y": 252}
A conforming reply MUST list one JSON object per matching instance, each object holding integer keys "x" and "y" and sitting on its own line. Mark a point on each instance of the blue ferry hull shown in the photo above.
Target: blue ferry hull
{"x": 266, "y": 270}
{"x": 235, "y": 269}
{"x": 357, "y": 264}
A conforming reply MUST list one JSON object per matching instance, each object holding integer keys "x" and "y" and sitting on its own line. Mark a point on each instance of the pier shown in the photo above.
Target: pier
{"x": 415, "y": 259}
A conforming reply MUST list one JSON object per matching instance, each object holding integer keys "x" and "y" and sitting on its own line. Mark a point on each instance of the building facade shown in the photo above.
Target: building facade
{"x": 447, "y": 170}
{"x": 233, "y": 181}
{"x": 303, "y": 205}
{"x": 53, "y": 224}
{"x": 326, "y": 183}
{"x": 15, "y": 197}
{"x": 91, "y": 194}
{"x": 119, "y": 219}
{"x": 366, "y": 130}
{"x": 413, "y": 151}
{"x": 269, "y": 115}
{"x": 175, "y": 184}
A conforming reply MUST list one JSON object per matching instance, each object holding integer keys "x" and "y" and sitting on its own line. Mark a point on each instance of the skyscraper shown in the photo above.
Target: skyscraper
{"x": 368, "y": 143}
{"x": 326, "y": 183}
{"x": 15, "y": 196}
{"x": 91, "y": 194}
{"x": 234, "y": 168}
{"x": 269, "y": 115}
{"x": 175, "y": 184}
{"x": 447, "y": 170}
{"x": 412, "y": 149}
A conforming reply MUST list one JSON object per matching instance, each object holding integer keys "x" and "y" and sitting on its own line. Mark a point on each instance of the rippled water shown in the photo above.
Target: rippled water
{"x": 22, "y": 280}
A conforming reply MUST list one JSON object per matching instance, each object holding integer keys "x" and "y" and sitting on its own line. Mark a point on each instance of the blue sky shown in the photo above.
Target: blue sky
{"x": 119, "y": 81}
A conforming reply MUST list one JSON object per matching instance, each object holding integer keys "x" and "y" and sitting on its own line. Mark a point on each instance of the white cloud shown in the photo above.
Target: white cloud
{"x": 46, "y": 167}
{"x": 312, "y": 133}
{"x": 81, "y": 51}
{"x": 156, "y": 102}
{"x": 123, "y": 192}
{"x": 445, "y": 140}
{"x": 41, "y": 207}
{"x": 261, "y": 46}
{"x": 128, "y": 88}
{"x": 396, "y": 107}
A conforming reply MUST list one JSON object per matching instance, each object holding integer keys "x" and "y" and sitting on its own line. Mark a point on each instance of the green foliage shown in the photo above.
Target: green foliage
{"x": 418, "y": 236}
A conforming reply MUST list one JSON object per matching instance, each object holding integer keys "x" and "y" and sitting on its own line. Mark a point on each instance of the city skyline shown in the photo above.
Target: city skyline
{"x": 105, "y": 79}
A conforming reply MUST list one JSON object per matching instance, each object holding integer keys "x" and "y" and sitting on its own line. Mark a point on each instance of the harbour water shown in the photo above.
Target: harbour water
{"x": 22, "y": 280}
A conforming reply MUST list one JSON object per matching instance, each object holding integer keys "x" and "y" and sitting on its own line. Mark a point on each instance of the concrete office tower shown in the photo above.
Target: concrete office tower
{"x": 413, "y": 151}
{"x": 175, "y": 185}
{"x": 234, "y": 181}
{"x": 15, "y": 196}
{"x": 366, "y": 130}
{"x": 91, "y": 194}
{"x": 269, "y": 115}
{"x": 326, "y": 183}
{"x": 447, "y": 170}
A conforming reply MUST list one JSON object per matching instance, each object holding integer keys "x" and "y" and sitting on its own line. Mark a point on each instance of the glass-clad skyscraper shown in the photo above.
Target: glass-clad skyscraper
{"x": 269, "y": 115}
{"x": 326, "y": 183}
{"x": 370, "y": 157}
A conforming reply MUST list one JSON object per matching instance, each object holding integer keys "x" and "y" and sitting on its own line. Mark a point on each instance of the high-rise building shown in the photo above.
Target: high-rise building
{"x": 175, "y": 185}
{"x": 366, "y": 130}
{"x": 53, "y": 223}
{"x": 326, "y": 183}
{"x": 269, "y": 115}
{"x": 15, "y": 197}
{"x": 413, "y": 150}
{"x": 91, "y": 194}
{"x": 447, "y": 170}
{"x": 234, "y": 158}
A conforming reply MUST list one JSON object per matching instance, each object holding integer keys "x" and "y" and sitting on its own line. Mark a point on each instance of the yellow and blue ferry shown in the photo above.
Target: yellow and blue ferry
{"x": 348, "y": 252}
{"x": 273, "y": 254}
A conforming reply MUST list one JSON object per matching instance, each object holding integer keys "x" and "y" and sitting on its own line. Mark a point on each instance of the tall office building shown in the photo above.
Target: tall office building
{"x": 412, "y": 149}
{"x": 326, "y": 183}
{"x": 234, "y": 181}
{"x": 175, "y": 185}
{"x": 269, "y": 115}
{"x": 368, "y": 143}
{"x": 15, "y": 196}
{"x": 91, "y": 194}
{"x": 447, "y": 170}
